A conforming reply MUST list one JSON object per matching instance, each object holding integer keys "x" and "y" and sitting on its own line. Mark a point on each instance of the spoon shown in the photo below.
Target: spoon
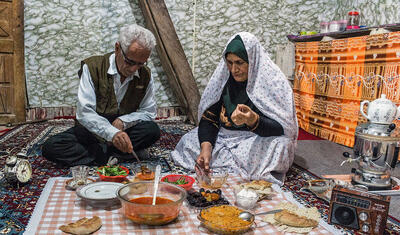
{"x": 156, "y": 180}
{"x": 136, "y": 156}
{"x": 245, "y": 215}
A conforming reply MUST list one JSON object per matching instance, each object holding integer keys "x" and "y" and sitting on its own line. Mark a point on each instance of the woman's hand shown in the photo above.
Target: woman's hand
{"x": 122, "y": 142}
{"x": 204, "y": 158}
{"x": 244, "y": 115}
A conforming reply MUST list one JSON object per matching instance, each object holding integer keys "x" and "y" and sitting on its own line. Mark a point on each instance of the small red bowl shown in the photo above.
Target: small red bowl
{"x": 118, "y": 178}
{"x": 173, "y": 178}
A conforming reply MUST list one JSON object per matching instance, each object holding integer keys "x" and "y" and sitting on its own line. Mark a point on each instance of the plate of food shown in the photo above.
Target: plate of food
{"x": 261, "y": 187}
{"x": 224, "y": 219}
{"x": 294, "y": 219}
{"x": 112, "y": 173}
{"x": 204, "y": 198}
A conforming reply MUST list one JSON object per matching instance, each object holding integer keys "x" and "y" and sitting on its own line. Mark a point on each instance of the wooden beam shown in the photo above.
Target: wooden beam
{"x": 20, "y": 94}
{"x": 172, "y": 56}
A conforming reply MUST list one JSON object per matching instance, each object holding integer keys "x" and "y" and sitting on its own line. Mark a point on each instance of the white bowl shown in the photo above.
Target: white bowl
{"x": 246, "y": 202}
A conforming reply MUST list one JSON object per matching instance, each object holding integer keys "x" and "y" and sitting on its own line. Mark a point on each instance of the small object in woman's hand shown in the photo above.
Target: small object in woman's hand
{"x": 242, "y": 109}
{"x": 203, "y": 174}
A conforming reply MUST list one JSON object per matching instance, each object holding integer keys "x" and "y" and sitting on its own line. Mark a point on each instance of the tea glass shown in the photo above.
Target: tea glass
{"x": 320, "y": 186}
{"x": 79, "y": 174}
{"x": 143, "y": 170}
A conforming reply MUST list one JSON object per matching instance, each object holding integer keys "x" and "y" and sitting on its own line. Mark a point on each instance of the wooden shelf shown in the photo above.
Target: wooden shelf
{"x": 342, "y": 34}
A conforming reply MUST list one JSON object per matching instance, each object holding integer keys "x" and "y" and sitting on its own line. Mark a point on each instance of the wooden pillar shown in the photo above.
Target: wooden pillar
{"x": 172, "y": 56}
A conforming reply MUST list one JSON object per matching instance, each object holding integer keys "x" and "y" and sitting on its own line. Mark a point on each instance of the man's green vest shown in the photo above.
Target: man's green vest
{"x": 106, "y": 102}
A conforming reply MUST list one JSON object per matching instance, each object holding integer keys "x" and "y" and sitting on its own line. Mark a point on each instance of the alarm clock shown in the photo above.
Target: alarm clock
{"x": 17, "y": 169}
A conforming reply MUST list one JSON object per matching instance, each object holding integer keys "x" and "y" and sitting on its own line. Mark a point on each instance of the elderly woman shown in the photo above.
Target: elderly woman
{"x": 247, "y": 117}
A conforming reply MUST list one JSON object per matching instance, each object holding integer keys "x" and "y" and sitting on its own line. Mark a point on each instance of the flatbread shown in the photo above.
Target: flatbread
{"x": 82, "y": 226}
{"x": 294, "y": 219}
{"x": 262, "y": 188}
{"x": 258, "y": 184}
{"x": 288, "y": 218}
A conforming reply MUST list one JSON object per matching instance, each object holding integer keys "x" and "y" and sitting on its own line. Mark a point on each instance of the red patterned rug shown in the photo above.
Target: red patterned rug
{"x": 18, "y": 202}
{"x": 303, "y": 135}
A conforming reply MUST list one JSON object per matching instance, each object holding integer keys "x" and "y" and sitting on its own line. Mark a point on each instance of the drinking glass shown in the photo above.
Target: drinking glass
{"x": 80, "y": 174}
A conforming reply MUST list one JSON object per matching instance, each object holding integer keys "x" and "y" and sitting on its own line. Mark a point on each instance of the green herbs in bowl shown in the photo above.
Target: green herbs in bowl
{"x": 112, "y": 173}
{"x": 183, "y": 181}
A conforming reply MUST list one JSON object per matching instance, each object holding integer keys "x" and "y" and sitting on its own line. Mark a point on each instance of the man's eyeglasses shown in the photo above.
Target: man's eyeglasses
{"x": 129, "y": 61}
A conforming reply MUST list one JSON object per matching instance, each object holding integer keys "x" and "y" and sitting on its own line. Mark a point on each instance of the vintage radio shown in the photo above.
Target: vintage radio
{"x": 358, "y": 210}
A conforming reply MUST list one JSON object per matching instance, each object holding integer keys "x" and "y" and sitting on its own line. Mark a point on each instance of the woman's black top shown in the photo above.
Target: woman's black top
{"x": 219, "y": 114}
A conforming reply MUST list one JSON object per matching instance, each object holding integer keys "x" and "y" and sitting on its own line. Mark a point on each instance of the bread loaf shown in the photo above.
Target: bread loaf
{"x": 82, "y": 226}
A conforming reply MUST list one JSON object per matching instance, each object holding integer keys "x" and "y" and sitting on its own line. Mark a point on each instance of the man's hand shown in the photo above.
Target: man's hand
{"x": 122, "y": 142}
{"x": 204, "y": 158}
{"x": 244, "y": 115}
{"x": 117, "y": 123}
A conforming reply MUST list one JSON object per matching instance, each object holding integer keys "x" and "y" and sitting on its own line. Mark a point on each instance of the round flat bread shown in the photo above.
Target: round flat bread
{"x": 294, "y": 219}
{"x": 258, "y": 184}
{"x": 82, "y": 226}
{"x": 291, "y": 219}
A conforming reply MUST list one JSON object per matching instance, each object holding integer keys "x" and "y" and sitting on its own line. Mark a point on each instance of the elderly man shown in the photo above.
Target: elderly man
{"x": 116, "y": 107}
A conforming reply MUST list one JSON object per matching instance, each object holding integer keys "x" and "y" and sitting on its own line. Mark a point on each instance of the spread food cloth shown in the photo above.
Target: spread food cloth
{"x": 58, "y": 206}
{"x": 333, "y": 77}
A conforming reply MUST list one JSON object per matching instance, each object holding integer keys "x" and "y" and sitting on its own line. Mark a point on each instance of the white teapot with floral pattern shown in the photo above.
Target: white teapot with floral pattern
{"x": 380, "y": 111}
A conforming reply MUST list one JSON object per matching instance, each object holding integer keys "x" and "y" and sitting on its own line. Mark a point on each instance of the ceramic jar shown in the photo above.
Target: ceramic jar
{"x": 380, "y": 111}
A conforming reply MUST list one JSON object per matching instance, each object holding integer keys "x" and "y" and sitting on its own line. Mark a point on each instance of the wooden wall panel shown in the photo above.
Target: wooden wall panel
{"x": 12, "y": 71}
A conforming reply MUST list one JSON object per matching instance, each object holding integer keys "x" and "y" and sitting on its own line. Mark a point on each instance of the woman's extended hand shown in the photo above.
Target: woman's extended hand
{"x": 204, "y": 158}
{"x": 244, "y": 115}
{"x": 122, "y": 142}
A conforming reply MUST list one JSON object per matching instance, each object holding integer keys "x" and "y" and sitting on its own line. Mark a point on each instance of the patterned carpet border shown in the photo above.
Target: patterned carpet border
{"x": 19, "y": 200}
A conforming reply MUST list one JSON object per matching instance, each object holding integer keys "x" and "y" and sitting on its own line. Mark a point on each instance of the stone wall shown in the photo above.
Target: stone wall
{"x": 59, "y": 34}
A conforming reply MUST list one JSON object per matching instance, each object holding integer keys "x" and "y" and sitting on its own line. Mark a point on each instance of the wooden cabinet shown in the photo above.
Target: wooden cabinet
{"x": 12, "y": 71}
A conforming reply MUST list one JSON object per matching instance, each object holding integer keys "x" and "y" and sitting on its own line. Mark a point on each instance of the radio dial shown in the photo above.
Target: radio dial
{"x": 363, "y": 216}
{"x": 365, "y": 228}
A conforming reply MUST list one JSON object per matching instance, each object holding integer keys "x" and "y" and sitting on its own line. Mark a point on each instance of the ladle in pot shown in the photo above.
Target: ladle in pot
{"x": 156, "y": 181}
